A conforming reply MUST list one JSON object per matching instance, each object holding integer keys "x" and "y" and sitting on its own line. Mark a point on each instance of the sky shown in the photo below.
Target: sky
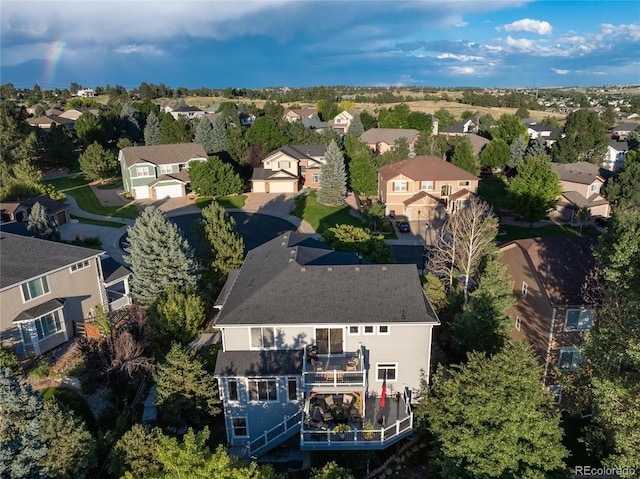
{"x": 298, "y": 43}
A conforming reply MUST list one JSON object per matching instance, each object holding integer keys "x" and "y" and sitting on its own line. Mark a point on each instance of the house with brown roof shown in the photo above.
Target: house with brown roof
{"x": 296, "y": 114}
{"x": 20, "y": 210}
{"x": 550, "y": 312}
{"x": 289, "y": 169}
{"x": 581, "y": 184}
{"x": 424, "y": 187}
{"x": 158, "y": 171}
{"x": 381, "y": 140}
{"x": 47, "y": 122}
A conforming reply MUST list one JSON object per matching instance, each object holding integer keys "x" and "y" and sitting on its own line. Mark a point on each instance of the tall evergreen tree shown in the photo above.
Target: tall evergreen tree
{"x": 517, "y": 152}
{"x": 490, "y": 418}
{"x": 535, "y": 148}
{"x": 42, "y": 225}
{"x": 356, "y": 128}
{"x": 159, "y": 256}
{"x": 130, "y": 123}
{"x": 152, "y": 130}
{"x": 187, "y": 393}
{"x": 203, "y": 135}
{"x": 226, "y": 247}
{"x": 21, "y": 447}
{"x": 464, "y": 157}
{"x": 219, "y": 136}
{"x": 535, "y": 189}
{"x": 333, "y": 177}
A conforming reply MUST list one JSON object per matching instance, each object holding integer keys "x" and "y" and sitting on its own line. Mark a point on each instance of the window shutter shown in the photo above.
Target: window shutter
{"x": 393, "y": 186}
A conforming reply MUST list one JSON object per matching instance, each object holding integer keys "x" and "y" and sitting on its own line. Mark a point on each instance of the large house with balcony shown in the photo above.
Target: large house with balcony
{"x": 158, "y": 171}
{"x": 310, "y": 336}
{"x": 424, "y": 187}
{"x": 47, "y": 287}
{"x": 550, "y": 312}
{"x": 289, "y": 169}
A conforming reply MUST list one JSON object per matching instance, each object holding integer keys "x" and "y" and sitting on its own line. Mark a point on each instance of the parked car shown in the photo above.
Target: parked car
{"x": 403, "y": 226}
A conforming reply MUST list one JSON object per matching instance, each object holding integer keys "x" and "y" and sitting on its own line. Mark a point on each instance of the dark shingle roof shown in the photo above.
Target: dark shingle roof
{"x": 23, "y": 258}
{"x": 113, "y": 270}
{"x": 40, "y": 310}
{"x": 49, "y": 204}
{"x": 163, "y": 154}
{"x": 301, "y": 152}
{"x": 580, "y": 172}
{"x": 290, "y": 280}
{"x": 259, "y": 363}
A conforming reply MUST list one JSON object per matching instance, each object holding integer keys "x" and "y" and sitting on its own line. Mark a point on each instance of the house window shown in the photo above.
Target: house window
{"x": 166, "y": 169}
{"x": 262, "y": 338}
{"x": 426, "y": 185}
{"x": 383, "y": 329}
{"x": 463, "y": 183}
{"x": 46, "y": 326}
{"x": 578, "y": 319}
{"x": 369, "y": 329}
{"x": 292, "y": 387}
{"x": 525, "y": 286}
{"x": 556, "y": 392}
{"x": 445, "y": 190}
{"x": 518, "y": 323}
{"x": 594, "y": 188}
{"x": 570, "y": 359}
{"x": 35, "y": 288}
{"x": 390, "y": 369}
{"x": 315, "y": 178}
{"x": 400, "y": 186}
{"x": 263, "y": 390}
{"x": 142, "y": 171}
{"x": 240, "y": 427}
{"x": 283, "y": 165}
{"x": 233, "y": 389}
{"x": 354, "y": 330}
{"x": 182, "y": 166}
{"x": 80, "y": 265}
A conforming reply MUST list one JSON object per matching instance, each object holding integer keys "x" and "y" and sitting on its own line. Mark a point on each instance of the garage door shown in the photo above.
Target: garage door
{"x": 141, "y": 192}
{"x": 281, "y": 187}
{"x": 258, "y": 186}
{"x": 168, "y": 191}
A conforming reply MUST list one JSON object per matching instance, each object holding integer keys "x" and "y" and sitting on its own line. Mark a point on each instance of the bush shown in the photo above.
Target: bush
{"x": 40, "y": 371}
{"x": 386, "y": 227}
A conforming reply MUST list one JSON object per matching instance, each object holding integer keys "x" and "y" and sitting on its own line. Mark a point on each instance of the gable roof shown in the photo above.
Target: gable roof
{"x": 24, "y": 258}
{"x": 301, "y": 112}
{"x": 619, "y": 145}
{"x": 162, "y": 154}
{"x": 562, "y": 265}
{"x": 294, "y": 279}
{"x": 299, "y": 152}
{"x": 421, "y": 168}
{"x": 477, "y": 142}
{"x": 388, "y": 135}
{"x": 581, "y": 172}
{"x": 462, "y": 127}
{"x": 624, "y": 127}
{"x": 49, "y": 204}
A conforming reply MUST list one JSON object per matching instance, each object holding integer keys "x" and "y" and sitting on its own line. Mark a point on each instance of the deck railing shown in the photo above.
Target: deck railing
{"x": 276, "y": 434}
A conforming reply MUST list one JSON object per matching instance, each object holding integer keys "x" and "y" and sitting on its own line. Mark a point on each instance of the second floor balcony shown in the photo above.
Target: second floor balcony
{"x": 336, "y": 370}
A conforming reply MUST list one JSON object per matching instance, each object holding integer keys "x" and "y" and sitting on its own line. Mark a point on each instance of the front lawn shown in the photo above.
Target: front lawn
{"x": 512, "y": 232}
{"x": 233, "y": 201}
{"x": 320, "y": 217}
{"x": 78, "y": 187}
{"x": 493, "y": 191}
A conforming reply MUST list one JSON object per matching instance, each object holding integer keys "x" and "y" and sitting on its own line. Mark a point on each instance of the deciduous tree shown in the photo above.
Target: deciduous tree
{"x": 464, "y": 157}
{"x": 490, "y": 418}
{"x": 333, "y": 177}
{"x": 508, "y": 128}
{"x": 178, "y": 315}
{"x": 584, "y": 139}
{"x": 360, "y": 241}
{"x": 97, "y": 163}
{"x": 363, "y": 176}
{"x": 495, "y": 155}
{"x": 159, "y": 256}
{"x": 265, "y": 131}
{"x": 214, "y": 178}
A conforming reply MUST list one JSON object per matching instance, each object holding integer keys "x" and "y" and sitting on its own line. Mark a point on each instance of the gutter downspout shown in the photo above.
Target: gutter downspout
{"x": 546, "y": 363}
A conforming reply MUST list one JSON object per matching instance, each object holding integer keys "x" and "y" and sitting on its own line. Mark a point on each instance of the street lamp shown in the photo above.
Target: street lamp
{"x": 419, "y": 230}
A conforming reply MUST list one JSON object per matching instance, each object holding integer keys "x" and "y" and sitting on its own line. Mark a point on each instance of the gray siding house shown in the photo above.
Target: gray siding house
{"x": 311, "y": 337}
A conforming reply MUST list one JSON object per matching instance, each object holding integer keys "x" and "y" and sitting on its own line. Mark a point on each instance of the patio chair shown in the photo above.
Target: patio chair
{"x": 347, "y": 399}
{"x": 329, "y": 402}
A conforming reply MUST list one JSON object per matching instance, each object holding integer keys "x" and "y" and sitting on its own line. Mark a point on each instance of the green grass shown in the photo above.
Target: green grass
{"x": 91, "y": 221}
{"x": 493, "y": 190}
{"x": 233, "y": 201}
{"x": 78, "y": 187}
{"x": 320, "y": 217}
{"x": 552, "y": 231}
{"x": 112, "y": 185}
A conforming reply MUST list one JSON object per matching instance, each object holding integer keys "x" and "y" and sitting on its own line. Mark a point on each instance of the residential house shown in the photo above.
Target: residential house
{"x": 424, "y": 187}
{"x": 622, "y": 131}
{"x": 547, "y": 134}
{"x": 342, "y": 121}
{"x": 289, "y": 169}
{"x": 47, "y": 122}
{"x": 158, "y": 171}
{"x": 246, "y": 119}
{"x": 75, "y": 113}
{"x": 46, "y": 287}
{"x": 20, "y": 210}
{"x": 188, "y": 111}
{"x": 477, "y": 142}
{"x": 462, "y": 128}
{"x": 86, "y": 93}
{"x": 297, "y": 114}
{"x": 310, "y": 338}
{"x": 550, "y": 310}
{"x": 581, "y": 183}
{"x": 616, "y": 154}
{"x": 381, "y": 140}
{"x": 315, "y": 124}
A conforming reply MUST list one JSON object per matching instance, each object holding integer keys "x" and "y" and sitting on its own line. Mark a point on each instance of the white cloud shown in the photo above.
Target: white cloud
{"x": 529, "y": 25}
{"x": 462, "y": 58}
{"x": 462, "y": 70}
{"x": 522, "y": 44}
{"x": 143, "y": 49}
{"x": 561, "y": 72}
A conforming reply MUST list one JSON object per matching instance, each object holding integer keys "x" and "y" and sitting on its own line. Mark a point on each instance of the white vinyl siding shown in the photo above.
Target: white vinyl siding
{"x": 391, "y": 370}
{"x": 262, "y": 338}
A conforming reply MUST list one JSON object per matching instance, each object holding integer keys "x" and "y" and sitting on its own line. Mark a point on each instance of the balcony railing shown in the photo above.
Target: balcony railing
{"x": 117, "y": 300}
{"x": 333, "y": 370}
{"x": 274, "y": 436}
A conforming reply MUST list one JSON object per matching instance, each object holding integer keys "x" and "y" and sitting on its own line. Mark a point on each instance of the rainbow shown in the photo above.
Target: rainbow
{"x": 53, "y": 58}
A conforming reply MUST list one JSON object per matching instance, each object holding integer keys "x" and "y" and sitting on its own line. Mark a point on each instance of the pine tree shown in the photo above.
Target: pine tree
{"x": 129, "y": 122}
{"x": 535, "y": 148}
{"x": 517, "y": 152}
{"x": 356, "y": 128}
{"x": 21, "y": 448}
{"x": 152, "y": 130}
{"x": 186, "y": 393}
{"x": 226, "y": 246}
{"x": 219, "y": 137}
{"x": 203, "y": 135}
{"x": 42, "y": 225}
{"x": 333, "y": 177}
{"x": 159, "y": 256}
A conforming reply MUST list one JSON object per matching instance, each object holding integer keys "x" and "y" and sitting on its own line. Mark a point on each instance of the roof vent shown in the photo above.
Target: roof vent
{"x": 357, "y": 268}
{"x": 384, "y": 268}
{"x": 303, "y": 269}
{"x": 329, "y": 268}
{"x": 291, "y": 260}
